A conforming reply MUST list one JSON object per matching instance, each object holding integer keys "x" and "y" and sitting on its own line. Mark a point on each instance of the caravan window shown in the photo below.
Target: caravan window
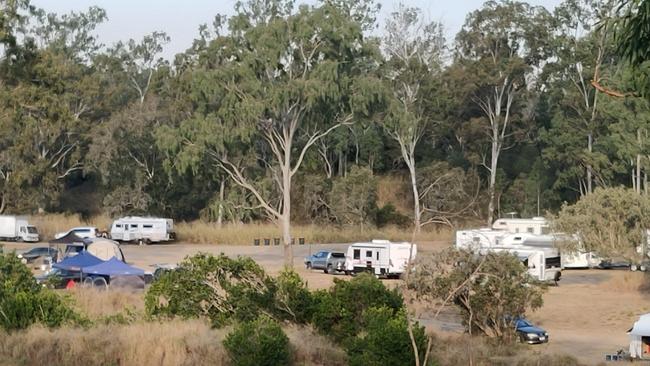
{"x": 545, "y": 230}
{"x": 377, "y": 255}
{"x": 530, "y": 230}
{"x": 368, "y": 253}
{"x": 118, "y": 225}
{"x": 147, "y": 226}
{"x": 357, "y": 254}
{"x": 134, "y": 226}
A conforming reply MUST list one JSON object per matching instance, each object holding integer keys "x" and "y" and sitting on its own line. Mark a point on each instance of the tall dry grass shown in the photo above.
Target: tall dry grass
{"x": 175, "y": 342}
{"x": 97, "y": 304}
{"x": 50, "y": 224}
{"x": 201, "y": 232}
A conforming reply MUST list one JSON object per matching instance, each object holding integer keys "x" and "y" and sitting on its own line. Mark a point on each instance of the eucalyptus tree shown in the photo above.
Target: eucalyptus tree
{"x": 269, "y": 89}
{"x": 582, "y": 60}
{"x": 414, "y": 52}
{"x": 499, "y": 48}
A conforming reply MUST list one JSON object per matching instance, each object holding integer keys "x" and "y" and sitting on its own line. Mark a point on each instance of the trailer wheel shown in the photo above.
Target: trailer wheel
{"x": 633, "y": 267}
{"x": 140, "y": 242}
{"x": 642, "y": 268}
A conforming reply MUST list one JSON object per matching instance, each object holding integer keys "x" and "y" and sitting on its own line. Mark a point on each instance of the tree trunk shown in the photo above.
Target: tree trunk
{"x": 285, "y": 218}
{"x": 417, "y": 219}
{"x": 638, "y": 163}
{"x": 222, "y": 188}
{"x": 589, "y": 168}
{"x": 3, "y": 204}
{"x": 493, "y": 177}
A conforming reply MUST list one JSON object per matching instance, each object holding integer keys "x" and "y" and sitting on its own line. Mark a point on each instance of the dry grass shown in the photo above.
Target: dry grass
{"x": 97, "y": 304}
{"x": 50, "y": 224}
{"x": 169, "y": 343}
{"x": 177, "y": 342}
{"x": 199, "y": 232}
{"x": 395, "y": 189}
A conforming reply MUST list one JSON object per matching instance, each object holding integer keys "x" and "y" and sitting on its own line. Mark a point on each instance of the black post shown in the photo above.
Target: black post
{"x": 256, "y": 242}
{"x": 267, "y": 242}
{"x": 276, "y": 241}
{"x": 301, "y": 241}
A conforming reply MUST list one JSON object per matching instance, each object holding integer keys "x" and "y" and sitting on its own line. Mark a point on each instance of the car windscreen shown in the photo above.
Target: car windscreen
{"x": 338, "y": 255}
{"x": 81, "y": 230}
{"x": 32, "y": 230}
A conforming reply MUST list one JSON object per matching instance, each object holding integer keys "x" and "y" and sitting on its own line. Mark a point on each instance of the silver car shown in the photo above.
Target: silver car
{"x": 327, "y": 260}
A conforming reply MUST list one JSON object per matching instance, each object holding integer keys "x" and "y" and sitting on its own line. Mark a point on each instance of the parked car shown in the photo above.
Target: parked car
{"x": 38, "y": 252}
{"x": 528, "y": 333}
{"x": 82, "y": 232}
{"x": 327, "y": 260}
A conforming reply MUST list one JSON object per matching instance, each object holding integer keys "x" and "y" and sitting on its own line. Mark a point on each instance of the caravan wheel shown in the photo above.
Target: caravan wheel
{"x": 633, "y": 267}
{"x": 140, "y": 242}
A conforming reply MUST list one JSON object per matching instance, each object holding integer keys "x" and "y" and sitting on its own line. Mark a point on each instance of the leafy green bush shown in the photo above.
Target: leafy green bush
{"x": 385, "y": 340}
{"x": 388, "y": 215}
{"x": 219, "y": 288}
{"x": 261, "y": 342}
{"x": 23, "y": 302}
{"x": 338, "y": 311}
{"x": 292, "y": 297}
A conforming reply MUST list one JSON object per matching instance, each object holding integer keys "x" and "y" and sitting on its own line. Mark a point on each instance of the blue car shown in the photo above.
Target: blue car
{"x": 528, "y": 333}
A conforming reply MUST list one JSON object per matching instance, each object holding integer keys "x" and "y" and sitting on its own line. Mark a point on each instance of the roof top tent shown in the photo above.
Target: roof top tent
{"x": 640, "y": 338}
{"x": 380, "y": 257}
{"x": 535, "y": 225}
{"x": 143, "y": 230}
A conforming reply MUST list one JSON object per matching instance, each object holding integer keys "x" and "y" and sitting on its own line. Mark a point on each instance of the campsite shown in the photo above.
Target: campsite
{"x": 324, "y": 182}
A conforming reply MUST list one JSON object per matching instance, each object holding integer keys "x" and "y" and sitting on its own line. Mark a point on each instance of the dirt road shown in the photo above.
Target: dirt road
{"x": 587, "y": 315}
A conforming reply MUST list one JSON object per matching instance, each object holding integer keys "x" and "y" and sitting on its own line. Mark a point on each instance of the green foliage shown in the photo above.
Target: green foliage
{"x": 388, "y": 215}
{"x": 23, "y": 302}
{"x": 338, "y": 311}
{"x": 353, "y": 197}
{"x": 611, "y": 222}
{"x": 219, "y": 288}
{"x": 260, "y": 342}
{"x": 488, "y": 290}
{"x": 292, "y": 297}
{"x": 385, "y": 339}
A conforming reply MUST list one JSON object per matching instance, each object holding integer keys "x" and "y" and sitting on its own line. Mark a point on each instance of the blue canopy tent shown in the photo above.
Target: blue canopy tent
{"x": 112, "y": 268}
{"x": 116, "y": 273}
{"x": 78, "y": 262}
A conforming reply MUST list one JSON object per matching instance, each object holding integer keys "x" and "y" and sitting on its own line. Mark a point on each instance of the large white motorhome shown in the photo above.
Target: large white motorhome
{"x": 17, "y": 228}
{"x": 143, "y": 230}
{"x": 381, "y": 257}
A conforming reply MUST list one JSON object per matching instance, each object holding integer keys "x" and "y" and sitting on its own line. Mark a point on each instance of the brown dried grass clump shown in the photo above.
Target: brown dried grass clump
{"x": 146, "y": 343}
{"x": 97, "y": 303}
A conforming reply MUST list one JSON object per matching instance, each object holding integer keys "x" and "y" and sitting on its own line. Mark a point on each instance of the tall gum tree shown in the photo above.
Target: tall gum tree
{"x": 414, "y": 51}
{"x": 499, "y": 47}
{"x": 279, "y": 81}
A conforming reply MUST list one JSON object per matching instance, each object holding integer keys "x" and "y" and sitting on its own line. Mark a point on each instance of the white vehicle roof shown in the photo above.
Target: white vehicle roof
{"x": 379, "y": 244}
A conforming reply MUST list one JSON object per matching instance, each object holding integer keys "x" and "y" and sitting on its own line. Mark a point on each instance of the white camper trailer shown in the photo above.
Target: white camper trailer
{"x": 144, "y": 230}
{"x": 17, "y": 228}
{"x": 535, "y": 225}
{"x": 381, "y": 257}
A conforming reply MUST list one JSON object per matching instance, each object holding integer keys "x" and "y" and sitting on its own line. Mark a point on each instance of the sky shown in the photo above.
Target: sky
{"x": 181, "y": 19}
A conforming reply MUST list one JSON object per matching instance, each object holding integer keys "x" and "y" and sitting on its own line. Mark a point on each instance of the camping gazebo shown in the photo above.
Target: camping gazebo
{"x": 640, "y": 338}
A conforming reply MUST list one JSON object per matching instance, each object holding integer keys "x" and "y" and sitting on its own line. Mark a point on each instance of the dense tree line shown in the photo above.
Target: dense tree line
{"x": 293, "y": 112}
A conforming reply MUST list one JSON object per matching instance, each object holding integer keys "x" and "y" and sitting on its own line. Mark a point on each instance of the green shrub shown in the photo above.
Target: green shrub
{"x": 261, "y": 342}
{"x": 338, "y": 311}
{"x": 385, "y": 340}
{"x": 388, "y": 215}
{"x": 23, "y": 302}
{"x": 293, "y": 300}
{"x": 219, "y": 288}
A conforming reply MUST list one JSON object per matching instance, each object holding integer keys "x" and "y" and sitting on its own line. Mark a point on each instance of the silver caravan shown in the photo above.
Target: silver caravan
{"x": 381, "y": 257}
{"x": 143, "y": 230}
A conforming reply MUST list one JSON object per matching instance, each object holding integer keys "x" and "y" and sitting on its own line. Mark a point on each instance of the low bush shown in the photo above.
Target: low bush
{"x": 293, "y": 301}
{"x": 219, "y": 288}
{"x": 23, "y": 302}
{"x": 338, "y": 311}
{"x": 385, "y": 340}
{"x": 261, "y": 342}
{"x": 388, "y": 215}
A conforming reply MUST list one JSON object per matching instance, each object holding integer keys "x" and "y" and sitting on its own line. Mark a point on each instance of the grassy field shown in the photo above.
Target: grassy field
{"x": 200, "y": 232}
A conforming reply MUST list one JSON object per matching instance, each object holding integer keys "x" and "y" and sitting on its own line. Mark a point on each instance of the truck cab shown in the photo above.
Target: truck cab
{"x": 28, "y": 233}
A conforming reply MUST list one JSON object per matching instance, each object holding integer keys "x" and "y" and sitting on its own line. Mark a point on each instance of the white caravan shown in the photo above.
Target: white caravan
{"x": 540, "y": 226}
{"x": 17, "y": 228}
{"x": 544, "y": 264}
{"x": 144, "y": 230}
{"x": 380, "y": 257}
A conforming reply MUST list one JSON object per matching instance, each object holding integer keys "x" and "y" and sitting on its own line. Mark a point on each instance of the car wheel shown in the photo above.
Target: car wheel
{"x": 308, "y": 265}
{"x": 633, "y": 267}
{"x": 329, "y": 269}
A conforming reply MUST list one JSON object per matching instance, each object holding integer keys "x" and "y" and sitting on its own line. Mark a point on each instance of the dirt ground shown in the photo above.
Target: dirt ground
{"x": 587, "y": 315}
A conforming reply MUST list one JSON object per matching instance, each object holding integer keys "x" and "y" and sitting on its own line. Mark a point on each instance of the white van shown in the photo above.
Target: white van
{"x": 380, "y": 257}
{"x": 143, "y": 230}
{"x": 16, "y": 228}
